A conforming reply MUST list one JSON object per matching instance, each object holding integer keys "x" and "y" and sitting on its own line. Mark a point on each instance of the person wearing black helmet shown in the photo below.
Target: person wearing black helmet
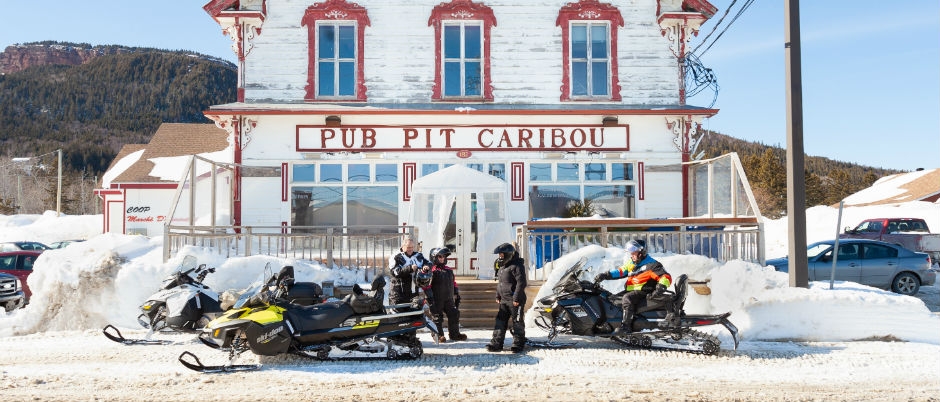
{"x": 510, "y": 294}
{"x": 647, "y": 280}
{"x": 443, "y": 290}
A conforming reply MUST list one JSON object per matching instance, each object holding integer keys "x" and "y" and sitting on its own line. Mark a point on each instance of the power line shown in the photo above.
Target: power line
{"x": 743, "y": 8}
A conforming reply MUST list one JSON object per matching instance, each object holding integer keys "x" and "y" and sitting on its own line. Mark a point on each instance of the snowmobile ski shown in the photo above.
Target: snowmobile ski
{"x": 117, "y": 337}
{"x": 548, "y": 344}
{"x": 225, "y": 368}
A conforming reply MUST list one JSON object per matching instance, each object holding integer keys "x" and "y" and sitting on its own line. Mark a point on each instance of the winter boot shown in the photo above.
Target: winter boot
{"x": 496, "y": 344}
{"x": 458, "y": 337}
{"x": 671, "y": 321}
{"x": 626, "y": 327}
{"x": 441, "y": 339}
{"x": 518, "y": 345}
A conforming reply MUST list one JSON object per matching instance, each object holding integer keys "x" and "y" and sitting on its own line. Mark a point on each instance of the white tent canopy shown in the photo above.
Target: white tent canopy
{"x": 433, "y": 197}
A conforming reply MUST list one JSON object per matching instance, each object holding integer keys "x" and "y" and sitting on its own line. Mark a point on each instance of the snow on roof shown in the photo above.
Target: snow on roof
{"x": 170, "y": 149}
{"x": 903, "y": 187}
{"x": 120, "y": 166}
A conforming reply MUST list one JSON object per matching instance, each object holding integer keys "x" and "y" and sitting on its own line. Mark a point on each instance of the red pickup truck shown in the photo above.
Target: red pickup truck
{"x": 910, "y": 233}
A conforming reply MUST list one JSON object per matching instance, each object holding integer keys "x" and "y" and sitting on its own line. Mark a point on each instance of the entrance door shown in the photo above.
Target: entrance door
{"x": 460, "y": 235}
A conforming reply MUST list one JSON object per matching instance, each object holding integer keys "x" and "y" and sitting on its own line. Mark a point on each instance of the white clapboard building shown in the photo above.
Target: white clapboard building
{"x": 344, "y": 105}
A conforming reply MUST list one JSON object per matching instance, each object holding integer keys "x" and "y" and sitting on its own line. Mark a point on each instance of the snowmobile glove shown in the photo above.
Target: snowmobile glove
{"x": 660, "y": 289}
{"x": 457, "y": 300}
{"x": 603, "y": 276}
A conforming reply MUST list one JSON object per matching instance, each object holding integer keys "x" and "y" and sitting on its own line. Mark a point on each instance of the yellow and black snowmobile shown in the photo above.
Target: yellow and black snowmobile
{"x": 358, "y": 326}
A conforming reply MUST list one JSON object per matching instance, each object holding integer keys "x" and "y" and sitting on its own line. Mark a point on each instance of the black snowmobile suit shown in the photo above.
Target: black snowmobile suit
{"x": 510, "y": 287}
{"x": 445, "y": 293}
{"x": 403, "y": 289}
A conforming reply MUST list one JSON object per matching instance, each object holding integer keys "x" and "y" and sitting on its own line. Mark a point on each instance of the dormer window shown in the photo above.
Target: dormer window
{"x": 462, "y": 62}
{"x": 589, "y": 48}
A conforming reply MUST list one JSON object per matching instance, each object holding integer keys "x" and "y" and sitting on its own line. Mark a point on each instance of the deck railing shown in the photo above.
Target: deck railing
{"x": 541, "y": 242}
{"x": 362, "y": 248}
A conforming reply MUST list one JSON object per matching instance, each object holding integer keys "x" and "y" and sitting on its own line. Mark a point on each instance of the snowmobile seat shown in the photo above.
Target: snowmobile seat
{"x": 364, "y": 304}
{"x": 318, "y": 316}
{"x": 678, "y": 300}
{"x": 304, "y": 293}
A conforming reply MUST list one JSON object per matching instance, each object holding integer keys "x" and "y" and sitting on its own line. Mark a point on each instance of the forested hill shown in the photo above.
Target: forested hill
{"x": 119, "y": 96}
{"x": 827, "y": 181}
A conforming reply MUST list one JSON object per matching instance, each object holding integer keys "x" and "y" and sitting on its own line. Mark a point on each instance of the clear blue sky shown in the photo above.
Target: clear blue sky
{"x": 871, "y": 68}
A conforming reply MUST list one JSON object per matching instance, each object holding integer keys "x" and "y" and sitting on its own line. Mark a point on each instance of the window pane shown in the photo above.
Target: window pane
{"x": 325, "y": 42}
{"x": 304, "y": 172}
{"x": 331, "y": 172}
{"x": 325, "y": 79}
{"x": 452, "y": 41}
{"x": 472, "y": 42}
{"x": 372, "y": 205}
{"x": 452, "y": 79}
{"x": 429, "y": 168}
{"x": 579, "y": 41}
{"x": 347, "y": 78}
{"x": 599, "y": 78}
{"x": 358, "y": 172}
{"x": 621, "y": 171}
{"x": 579, "y": 78}
{"x": 327, "y": 206}
{"x": 611, "y": 201}
{"x": 595, "y": 171}
{"x": 386, "y": 172}
{"x": 301, "y": 211}
{"x": 347, "y": 42}
{"x": 599, "y": 41}
{"x": 473, "y": 78}
{"x": 568, "y": 172}
{"x": 547, "y": 201}
{"x": 540, "y": 172}
{"x": 498, "y": 170}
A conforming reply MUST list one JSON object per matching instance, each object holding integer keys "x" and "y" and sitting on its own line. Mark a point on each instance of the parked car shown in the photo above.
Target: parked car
{"x": 20, "y": 265}
{"x": 910, "y": 233}
{"x": 11, "y": 292}
{"x": 62, "y": 244}
{"x": 22, "y": 245}
{"x": 869, "y": 262}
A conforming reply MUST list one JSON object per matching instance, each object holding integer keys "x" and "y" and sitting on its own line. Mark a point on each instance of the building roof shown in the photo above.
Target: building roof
{"x": 921, "y": 185}
{"x": 171, "y": 139}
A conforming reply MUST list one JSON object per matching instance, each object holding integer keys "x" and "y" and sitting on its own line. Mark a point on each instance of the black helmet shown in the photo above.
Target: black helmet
{"x": 439, "y": 251}
{"x": 636, "y": 245}
{"x": 504, "y": 248}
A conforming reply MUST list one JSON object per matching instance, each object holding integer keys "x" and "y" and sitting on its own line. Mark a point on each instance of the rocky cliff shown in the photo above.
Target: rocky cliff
{"x": 18, "y": 57}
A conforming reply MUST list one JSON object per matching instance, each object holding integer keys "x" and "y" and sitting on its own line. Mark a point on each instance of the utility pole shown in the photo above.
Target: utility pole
{"x": 58, "y": 189}
{"x": 796, "y": 182}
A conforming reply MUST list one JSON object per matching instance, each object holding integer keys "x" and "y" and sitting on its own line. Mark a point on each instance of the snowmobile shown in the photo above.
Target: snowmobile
{"x": 358, "y": 326}
{"x": 183, "y": 304}
{"x": 583, "y": 307}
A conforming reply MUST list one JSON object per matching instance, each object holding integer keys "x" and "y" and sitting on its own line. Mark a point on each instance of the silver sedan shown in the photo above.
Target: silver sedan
{"x": 868, "y": 262}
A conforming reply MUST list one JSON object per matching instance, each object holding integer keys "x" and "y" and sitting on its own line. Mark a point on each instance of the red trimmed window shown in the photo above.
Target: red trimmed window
{"x": 335, "y": 37}
{"x": 462, "y": 51}
{"x": 589, "y": 48}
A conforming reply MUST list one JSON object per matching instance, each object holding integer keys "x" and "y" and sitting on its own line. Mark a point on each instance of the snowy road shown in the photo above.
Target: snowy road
{"x": 86, "y": 366}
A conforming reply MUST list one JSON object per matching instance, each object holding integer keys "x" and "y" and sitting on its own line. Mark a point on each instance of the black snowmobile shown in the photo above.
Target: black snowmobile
{"x": 359, "y": 326}
{"x": 583, "y": 307}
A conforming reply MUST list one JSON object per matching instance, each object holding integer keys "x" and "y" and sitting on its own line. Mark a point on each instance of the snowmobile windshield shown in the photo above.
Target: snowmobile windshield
{"x": 187, "y": 267}
{"x": 570, "y": 281}
{"x": 260, "y": 284}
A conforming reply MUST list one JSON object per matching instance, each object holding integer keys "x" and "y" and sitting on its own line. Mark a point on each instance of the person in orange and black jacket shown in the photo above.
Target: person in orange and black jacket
{"x": 647, "y": 281}
{"x": 510, "y": 294}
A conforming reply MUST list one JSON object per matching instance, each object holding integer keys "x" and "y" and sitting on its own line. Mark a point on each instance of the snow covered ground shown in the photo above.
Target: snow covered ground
{"x": 849, "y": 343}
